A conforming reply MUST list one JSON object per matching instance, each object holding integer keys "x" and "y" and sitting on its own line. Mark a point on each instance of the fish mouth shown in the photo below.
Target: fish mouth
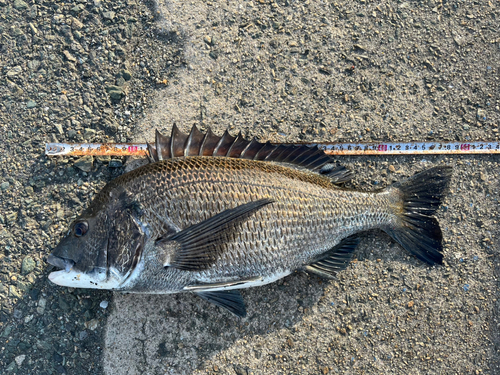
{"x": 62, "y": 263}
{"x": 65, "y": 265}
{"x": 70, "y": 276}
{"x": 73, "y": 278}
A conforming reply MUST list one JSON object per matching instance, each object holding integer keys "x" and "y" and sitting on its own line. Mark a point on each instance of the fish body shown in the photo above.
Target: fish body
{"x": 215, "y": 224}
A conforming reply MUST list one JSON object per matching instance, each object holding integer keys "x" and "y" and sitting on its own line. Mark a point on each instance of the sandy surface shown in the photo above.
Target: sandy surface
{"x": 281, "y": 71}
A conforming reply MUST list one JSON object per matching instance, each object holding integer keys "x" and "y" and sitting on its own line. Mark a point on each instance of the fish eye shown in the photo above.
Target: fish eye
{"x": 81, "y": 228}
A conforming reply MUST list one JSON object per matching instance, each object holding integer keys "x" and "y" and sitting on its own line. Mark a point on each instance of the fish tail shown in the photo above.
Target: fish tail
{"x": 416, "y": 229}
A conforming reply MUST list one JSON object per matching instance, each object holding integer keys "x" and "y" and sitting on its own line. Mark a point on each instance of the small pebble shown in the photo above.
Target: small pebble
{"x": 88, "y": 133}
{"x": 83, "y": 335}
{"x": 85, "y": 163}
{"x": 20, "y": 359}
{"x": 104, "y": 304}
{"x": 92, "y": 324}
{"x": 27, "y": 265}
{"x": 115, "y": 163}
{"x": 110, "y": 15}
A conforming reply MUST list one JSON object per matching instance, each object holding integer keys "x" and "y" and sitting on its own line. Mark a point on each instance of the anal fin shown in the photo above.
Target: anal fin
{"x": 334, "y": 260}
{"x": 228, "y": 299}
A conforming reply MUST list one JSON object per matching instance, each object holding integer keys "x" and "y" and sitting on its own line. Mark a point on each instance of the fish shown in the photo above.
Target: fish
{"x": 212, "y": 215}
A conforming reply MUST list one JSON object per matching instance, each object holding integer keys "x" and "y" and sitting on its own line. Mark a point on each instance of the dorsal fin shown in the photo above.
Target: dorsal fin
{"x": 209, "y": 144}
{"x": 238, "y": 146}
{"x": 264, "y": 152}
{"x": 253, "y": 148}
{"x": 177, "y": 142}
{"x": 277, "y": 153}
{"x": 162, "y": 146}
{"x": 193, "y": 142}
{"x": 225, "y": 143}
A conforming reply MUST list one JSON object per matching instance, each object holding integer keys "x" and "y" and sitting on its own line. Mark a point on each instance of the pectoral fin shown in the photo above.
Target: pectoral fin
{"x": 228, "y": 299}
{"x": 198, "y": 247}
{"x": 334, "y": 260}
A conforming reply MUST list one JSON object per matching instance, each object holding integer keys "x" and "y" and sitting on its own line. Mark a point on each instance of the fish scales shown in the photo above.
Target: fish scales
{"x": 241, "y": 215}
{"x": 308, "y": 216}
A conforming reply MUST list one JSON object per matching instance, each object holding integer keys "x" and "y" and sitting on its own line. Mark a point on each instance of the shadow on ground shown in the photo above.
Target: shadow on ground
{"x": 44, "y": 320}
{"x": 182, "y": 333}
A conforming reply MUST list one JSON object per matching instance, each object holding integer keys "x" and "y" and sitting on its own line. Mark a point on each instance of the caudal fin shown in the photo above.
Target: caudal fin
{"x": 418, "y": 231}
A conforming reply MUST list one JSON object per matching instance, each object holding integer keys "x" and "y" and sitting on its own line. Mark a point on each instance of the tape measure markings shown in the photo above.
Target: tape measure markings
{"x": 393, "y": 148}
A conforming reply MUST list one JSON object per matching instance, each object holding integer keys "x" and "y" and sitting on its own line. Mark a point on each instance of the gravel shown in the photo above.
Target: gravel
{"x": 105, "y": 71}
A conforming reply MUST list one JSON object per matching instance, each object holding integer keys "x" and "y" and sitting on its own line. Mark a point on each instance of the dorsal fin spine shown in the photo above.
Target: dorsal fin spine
{"x": 238, "y": 146}
{"x": 193, "y": 142}
{"x": 209, "y": 143}
{"x": 158, "y": 146}
{"x": 224, "y": 144}
{"x": 152, "y": 156}
{"x": 177, "y": 142}
{"x": 232, "y": 147}
{"x": 172, "y": 138}
{"x": 252, "y": 148}
{"x": 264, "y": 152}
{"x": 202, "y": 147}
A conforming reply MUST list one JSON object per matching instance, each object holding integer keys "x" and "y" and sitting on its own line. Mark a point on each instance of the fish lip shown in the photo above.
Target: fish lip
{"x": 54, "y": 275}
{"x": 62, "y": 263}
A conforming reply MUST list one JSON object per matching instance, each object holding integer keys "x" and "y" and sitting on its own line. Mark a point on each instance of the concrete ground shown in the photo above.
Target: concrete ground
{"x": 284, "y": 71}
{"x": 293, "y": 70}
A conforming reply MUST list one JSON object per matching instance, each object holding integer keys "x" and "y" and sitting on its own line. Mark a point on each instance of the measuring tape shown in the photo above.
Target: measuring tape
{"x": 411, "y": 148}
{"x": 393, "y": 148}
{"x": 96, "y": 149}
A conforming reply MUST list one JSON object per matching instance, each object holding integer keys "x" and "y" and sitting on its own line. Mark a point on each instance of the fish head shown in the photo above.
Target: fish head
{"x": 102, "y": 247}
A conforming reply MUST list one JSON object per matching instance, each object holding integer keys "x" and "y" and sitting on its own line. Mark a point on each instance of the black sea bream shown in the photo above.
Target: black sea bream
{"x": 211, "y": 215}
